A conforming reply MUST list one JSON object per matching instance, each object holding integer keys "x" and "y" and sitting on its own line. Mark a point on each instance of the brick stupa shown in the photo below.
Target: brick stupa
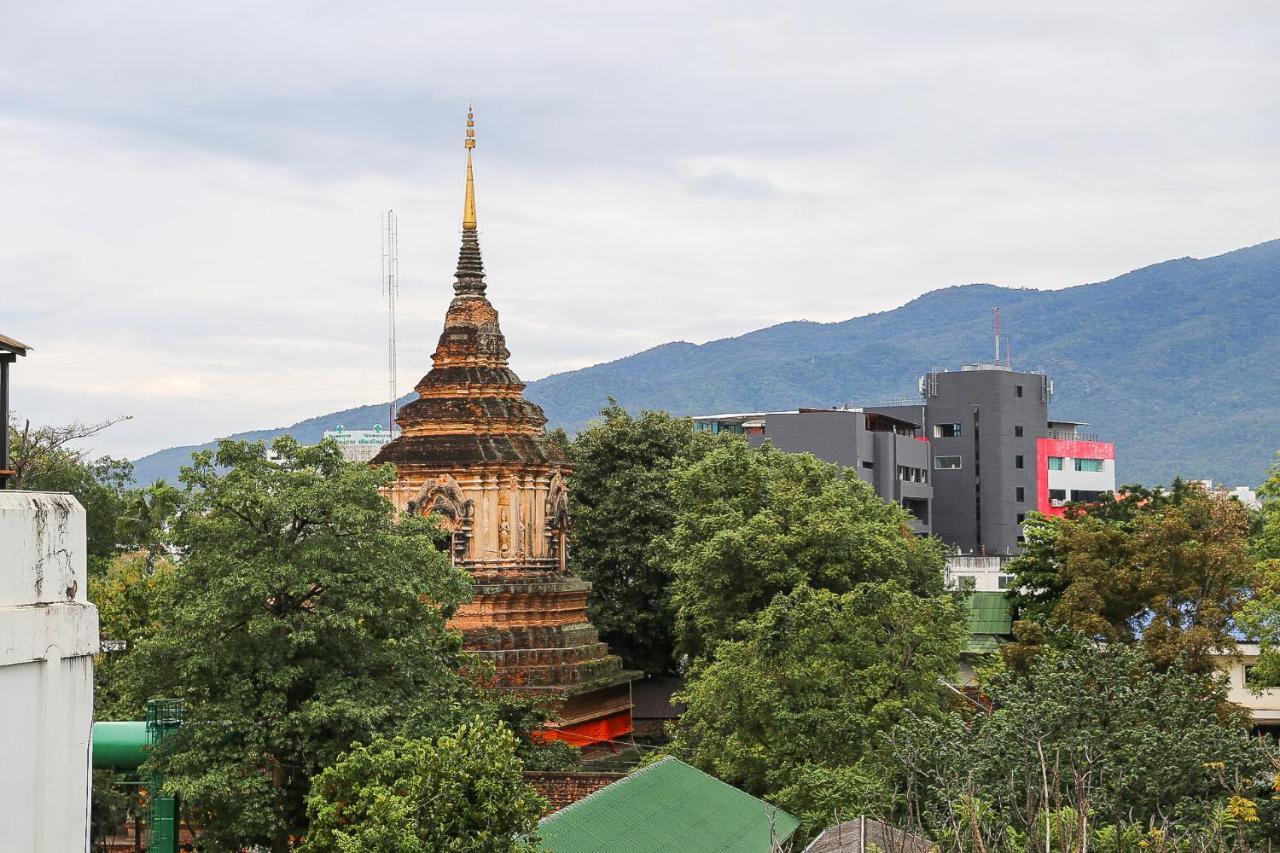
{"x": 473, "y": 451}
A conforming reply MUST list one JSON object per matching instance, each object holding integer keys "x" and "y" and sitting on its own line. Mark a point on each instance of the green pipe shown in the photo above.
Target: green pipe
{"x": 119, "y": 746}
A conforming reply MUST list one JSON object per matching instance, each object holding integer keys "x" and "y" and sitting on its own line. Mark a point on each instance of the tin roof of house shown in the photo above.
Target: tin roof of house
{"x": 667, "y": 806}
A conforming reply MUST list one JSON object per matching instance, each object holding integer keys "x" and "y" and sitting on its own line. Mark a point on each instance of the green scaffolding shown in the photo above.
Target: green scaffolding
{"x": 124, "y": 746}
{"x": 164, "y": 716}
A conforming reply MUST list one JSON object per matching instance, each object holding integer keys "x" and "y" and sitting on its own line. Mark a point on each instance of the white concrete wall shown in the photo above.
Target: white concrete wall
{"x": 981, "y": 573}
{"x": 48, "y": 636}
{"x": 1264, "y": 705}
{"x": 1090, "y": 481}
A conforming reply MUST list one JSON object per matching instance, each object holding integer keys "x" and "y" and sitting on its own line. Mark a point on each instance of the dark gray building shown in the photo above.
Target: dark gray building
{"x": 983, "y": 422}
{"x": 888, "y": 451}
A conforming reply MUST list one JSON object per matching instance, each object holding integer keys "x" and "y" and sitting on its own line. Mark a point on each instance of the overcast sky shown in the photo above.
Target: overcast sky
{"x": 190, "y": 192}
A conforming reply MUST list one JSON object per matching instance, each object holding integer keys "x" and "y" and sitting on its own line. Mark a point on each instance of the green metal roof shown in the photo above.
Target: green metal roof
{"x": 990, "y": 613}
{"x": 982, "y": 644}
{"x": 666, "y": 806}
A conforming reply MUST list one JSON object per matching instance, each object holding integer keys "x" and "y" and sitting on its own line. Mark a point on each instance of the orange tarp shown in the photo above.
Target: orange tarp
{"x": 592, "y": 731}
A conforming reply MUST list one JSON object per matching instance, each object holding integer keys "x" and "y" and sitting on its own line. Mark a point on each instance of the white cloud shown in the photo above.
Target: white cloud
{"x": 189, "y": 193}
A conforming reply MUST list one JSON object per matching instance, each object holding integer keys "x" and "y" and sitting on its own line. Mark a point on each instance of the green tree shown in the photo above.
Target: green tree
{"x": 144, "y": 520}
{"x": 793, "y": 708}
{"x": 1091, "y": 737}
{"x": 129, "y": 596}
{"x": 303, "y": 615}
{"x": 1260, "y": 615}
{"x": 623, "y": 515}
{"x": 1268, "y": 537}
{"x": 753, "y": 523}
{"x": 1170, "y": 570}
{"x": 464, "y": 793}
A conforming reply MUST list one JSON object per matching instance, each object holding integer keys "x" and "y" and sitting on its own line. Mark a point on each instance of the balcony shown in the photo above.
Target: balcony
{"x": 1066, "y": 435}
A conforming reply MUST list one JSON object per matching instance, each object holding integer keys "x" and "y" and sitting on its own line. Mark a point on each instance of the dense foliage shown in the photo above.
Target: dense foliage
{"x": 462, "y": 793}
{"x": 755, "y": 523}
{"x": 304, "y": 615}
{"x": 1260, "y": 615}
{"x": 793, "y": 708}
{"x": 1094, "y": 747}
{"x": 1169, "y": 570}
{"x": 623, "y": 515}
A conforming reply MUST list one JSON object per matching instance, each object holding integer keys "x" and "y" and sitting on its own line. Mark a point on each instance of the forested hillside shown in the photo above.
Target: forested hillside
{"x": 1176, "y": 362}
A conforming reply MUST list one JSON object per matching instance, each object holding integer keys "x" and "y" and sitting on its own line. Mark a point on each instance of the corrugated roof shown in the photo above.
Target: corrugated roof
{"x": 847, "y": 838}
{"x": 667, "y": 806}
{"x": 982, "y": 644}
{"x": 990, "y": 613}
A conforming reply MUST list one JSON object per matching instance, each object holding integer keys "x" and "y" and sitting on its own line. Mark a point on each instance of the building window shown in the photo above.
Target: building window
{"x": 866, "y": 464}
{"x": 1094, "y": 465}
{"x": 1085, "y": 496}
{"x": 1002, "y": 581}
{"x": 1017, "y": 390}
{"x": 1022, "y": 516}
{"x": 943, "y": 463}
{"x": 908, "y": 474}
{"x": 1057, "y": 494}
{"x": 946, "y": 430}
{"x": 1020, "y": 494}
{"x": 1017, "y": 461}
{"x": 1017, "y": 432}
{"x": 1055, "y": 463}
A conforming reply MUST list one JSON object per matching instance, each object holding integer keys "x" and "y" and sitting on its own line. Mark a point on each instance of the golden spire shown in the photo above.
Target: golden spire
{"x": 469, "y": 206}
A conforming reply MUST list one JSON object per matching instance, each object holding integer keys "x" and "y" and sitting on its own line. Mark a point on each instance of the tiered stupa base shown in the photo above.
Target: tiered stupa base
{"x": 531, "y": 626}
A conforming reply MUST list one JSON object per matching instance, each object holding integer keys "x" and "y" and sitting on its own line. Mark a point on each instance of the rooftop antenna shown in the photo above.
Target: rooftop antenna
{"x": 995, "y": 315}
{"x": 1008, "y": 352}
{"x": 391, "y": 290}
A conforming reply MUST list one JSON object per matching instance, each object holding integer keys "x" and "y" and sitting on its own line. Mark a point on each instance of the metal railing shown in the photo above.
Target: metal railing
{"x": 1065, "y": 435}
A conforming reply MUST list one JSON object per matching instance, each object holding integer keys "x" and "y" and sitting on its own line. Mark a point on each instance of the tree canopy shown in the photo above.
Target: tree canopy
{"x": 303, "y": 615}
{"x": 754, "y": 523}
{"x": 462, "y": 793}
{"x": 1169, "y": 570}
{"x": 795, "y": 703}
{"x": 622, "y": 515}
{"x": 1095, "y": 746}
{"x": 1260, "y": 615}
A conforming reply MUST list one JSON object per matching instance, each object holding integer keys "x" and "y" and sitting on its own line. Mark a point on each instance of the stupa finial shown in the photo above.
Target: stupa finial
{"x": 469, "y": 206}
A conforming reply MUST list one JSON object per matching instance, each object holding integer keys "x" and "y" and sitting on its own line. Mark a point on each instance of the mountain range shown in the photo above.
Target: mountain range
{"x": 1175, "y": 362}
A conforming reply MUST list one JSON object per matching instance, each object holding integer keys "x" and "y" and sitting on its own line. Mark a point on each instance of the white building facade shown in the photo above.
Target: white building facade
{"x": 48, "y": 636}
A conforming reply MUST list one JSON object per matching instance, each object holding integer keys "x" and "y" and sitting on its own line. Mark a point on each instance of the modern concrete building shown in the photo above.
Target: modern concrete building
{"x": 48, "y": 637}
{"x": 982, "y": 423}
{"x": 887, "y": 451}
{"x": 996, "y": 455}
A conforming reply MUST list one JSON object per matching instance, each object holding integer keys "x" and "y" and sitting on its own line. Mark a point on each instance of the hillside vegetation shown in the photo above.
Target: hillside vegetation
{"x": 1175, "y": 362}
